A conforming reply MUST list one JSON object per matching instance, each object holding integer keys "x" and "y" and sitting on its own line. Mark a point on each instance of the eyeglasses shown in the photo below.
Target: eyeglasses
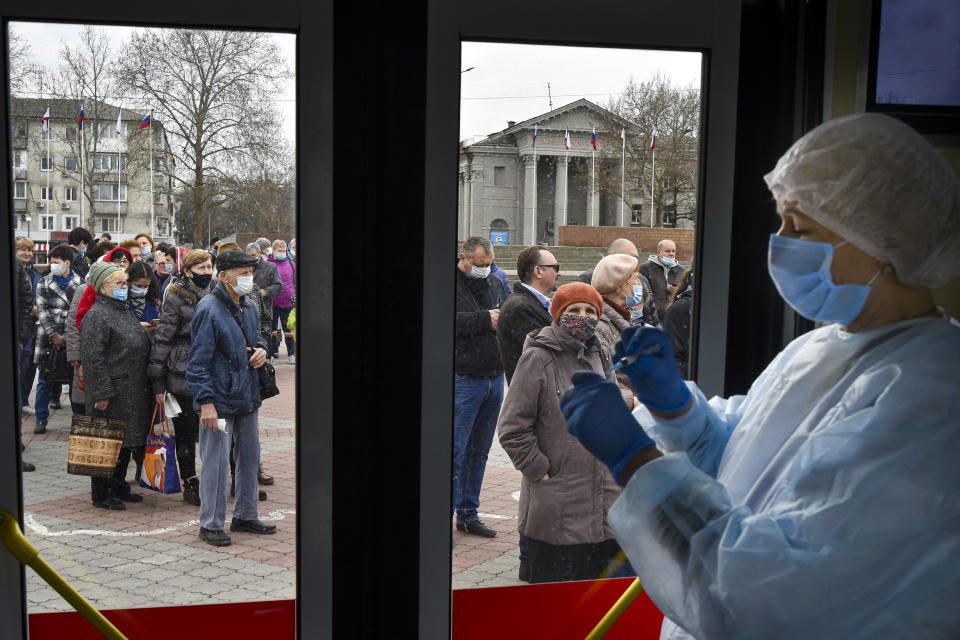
{"x": 123, "y": 260}
{"x": 550, "y": 266}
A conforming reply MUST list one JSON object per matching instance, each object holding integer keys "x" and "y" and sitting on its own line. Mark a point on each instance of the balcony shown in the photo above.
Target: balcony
{"x": 106, "y": 208}
{"x": 20, "y": 173}
{"x": 19, "y": 205}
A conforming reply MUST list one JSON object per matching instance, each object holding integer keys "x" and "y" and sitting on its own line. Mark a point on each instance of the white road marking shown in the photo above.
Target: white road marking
{"x": 41, "y": 530}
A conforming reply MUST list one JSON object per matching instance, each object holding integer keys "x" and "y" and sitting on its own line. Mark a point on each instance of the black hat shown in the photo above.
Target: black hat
{"x": 234, "y": 259}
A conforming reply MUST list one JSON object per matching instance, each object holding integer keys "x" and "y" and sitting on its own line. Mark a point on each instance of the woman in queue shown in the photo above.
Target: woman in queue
{"x": 168, "y": 361}
{"x": 282, "y": 304}
{"x": 144, "y": 292}
{"x": 28, "y": 368}
{"x": 676, "y": 321}
{"x": 115, "y": 350}
{"x": 565, "y": 492}
{"x": 615, "y": 279}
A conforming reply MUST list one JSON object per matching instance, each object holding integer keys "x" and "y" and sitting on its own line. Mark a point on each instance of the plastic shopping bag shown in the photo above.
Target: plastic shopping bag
{"x": 160, "y": 461}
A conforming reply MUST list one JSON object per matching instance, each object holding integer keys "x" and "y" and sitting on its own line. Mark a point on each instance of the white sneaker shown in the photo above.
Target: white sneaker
{"x": 29, "y": 411}
{"x": 292, "y": 359}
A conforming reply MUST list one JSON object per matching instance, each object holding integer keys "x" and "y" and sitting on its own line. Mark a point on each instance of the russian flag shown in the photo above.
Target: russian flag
{"x": 46, "y": 120}
{"x": 144, "y": 123}
{"x": 81, "y": 119}
{"x": 534, "y": 135}
{"x": 593, "y": 139}
{"x": 623, "y": 137}
{"x": 653, "y": 141}
{"x": 566, "y": 138}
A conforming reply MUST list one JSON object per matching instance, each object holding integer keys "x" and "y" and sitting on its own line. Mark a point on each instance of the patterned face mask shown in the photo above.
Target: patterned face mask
{"x": 580, "y": 327}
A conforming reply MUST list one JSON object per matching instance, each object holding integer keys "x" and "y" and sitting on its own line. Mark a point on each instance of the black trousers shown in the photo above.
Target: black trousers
{"x": 186, "y": 429}
{"x": 565, "y": 563}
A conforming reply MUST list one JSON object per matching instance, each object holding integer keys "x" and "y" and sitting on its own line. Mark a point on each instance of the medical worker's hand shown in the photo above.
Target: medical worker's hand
{"x": 654, "y": 376}
{"x": 598, "y": 418}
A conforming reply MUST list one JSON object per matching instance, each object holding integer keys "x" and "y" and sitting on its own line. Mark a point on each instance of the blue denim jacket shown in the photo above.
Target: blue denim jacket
{"x": 218, "y": 371}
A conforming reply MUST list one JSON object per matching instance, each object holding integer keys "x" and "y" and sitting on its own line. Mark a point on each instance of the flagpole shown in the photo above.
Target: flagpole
{"x": 535, "y": 185}
{"x": 623, "y": 170}
{"x": 150, "y": 131}
{"x": 49, "y": 171}
{"x": 653, "y": 174}
{"x": 593, "y": 184}
{"x": 119, "y": 124}
{"x": 82, "y": 166}
{"x": 566, "y": 186}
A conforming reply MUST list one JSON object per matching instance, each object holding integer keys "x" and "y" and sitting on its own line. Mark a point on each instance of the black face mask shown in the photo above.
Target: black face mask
{"x": 201, "y": 279}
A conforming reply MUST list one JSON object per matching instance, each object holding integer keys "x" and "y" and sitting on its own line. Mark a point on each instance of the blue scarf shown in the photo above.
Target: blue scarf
{"x": 63, "y": 281}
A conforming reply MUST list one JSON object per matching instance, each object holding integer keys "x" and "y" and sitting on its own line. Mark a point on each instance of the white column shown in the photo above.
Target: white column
{"x": 593, "y": 199}
{"x": 529, "y": 236}
{"x": 559, "y": 201}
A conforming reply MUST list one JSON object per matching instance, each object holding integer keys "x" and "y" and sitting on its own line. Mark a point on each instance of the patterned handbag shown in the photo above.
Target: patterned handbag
{"x": 160, "y": 459}
{"x": 95, "y": 443}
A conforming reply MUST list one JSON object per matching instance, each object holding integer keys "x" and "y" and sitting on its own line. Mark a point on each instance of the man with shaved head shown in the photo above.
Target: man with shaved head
{"x": 663, "y": 271}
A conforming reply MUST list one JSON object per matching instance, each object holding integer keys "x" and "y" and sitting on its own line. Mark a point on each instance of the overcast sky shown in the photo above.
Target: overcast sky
{"x": 509, "y": 81}
{"x": 47, "y": 38}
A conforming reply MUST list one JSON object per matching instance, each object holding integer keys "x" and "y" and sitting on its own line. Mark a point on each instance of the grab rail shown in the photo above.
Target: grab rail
{"x": 621, "y": 605}
{"x": 27, "y": 554}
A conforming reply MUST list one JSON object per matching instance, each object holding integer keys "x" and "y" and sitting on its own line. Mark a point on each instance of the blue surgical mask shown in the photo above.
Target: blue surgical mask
{"x": 668, "y": 262}
{"x": 800, "y": 269}
{"x": 138, "y": 292}
{"x": 633, "y": 301}
{"x": 479, "y": 272}
{"x": 119, "y": 294}
{"x": 145, "y": 254}
{"x": 636, "y": 315}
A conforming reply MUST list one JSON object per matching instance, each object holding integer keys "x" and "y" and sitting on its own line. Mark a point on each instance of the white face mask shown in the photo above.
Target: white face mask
{"x": 56, "y": 268}
{"x": 244, "y": 285}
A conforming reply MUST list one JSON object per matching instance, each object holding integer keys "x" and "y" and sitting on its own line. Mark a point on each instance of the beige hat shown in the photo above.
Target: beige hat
{"x": 612, "y": 272}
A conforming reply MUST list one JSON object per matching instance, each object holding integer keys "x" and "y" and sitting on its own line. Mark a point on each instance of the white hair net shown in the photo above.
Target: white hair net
{"x": 876, "y": 182}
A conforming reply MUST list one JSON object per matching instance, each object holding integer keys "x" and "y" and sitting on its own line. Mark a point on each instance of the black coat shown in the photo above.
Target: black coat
{"x": 522, "y": 314}
{"x": 659, "y": 277}
{"x": 676, "y": 322}
{"x": 24, "y": 303}
{"x": 476, "y": 353}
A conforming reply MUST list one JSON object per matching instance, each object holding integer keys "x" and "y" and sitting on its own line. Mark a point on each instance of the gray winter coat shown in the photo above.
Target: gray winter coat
{"x": 74, "y": 345}
{"x": 114, "y": 355}
{"x": 171, "y": 341}
{"x": 570, "y": 507}
{"x": 609, "y": 330}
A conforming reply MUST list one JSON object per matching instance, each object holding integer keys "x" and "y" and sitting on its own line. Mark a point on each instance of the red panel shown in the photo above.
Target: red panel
{"x": 275, "y": 620}
{"x": 558, "y": 610}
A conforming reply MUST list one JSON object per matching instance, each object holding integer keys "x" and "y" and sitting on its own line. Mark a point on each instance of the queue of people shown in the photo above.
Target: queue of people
{"x": 135, "y": 328}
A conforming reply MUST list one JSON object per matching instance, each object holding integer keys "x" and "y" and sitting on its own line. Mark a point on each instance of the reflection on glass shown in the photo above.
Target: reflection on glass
{"x": 593, "y": 179}
{"x": 139, "y": 155}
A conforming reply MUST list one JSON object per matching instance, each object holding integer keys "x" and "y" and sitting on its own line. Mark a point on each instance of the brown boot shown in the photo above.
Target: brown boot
{"x": 263, "y": 478}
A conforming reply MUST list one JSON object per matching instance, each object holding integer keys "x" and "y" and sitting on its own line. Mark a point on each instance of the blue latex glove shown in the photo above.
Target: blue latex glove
{"x": 598, "y": 418}
{"x": 654, "y": 376}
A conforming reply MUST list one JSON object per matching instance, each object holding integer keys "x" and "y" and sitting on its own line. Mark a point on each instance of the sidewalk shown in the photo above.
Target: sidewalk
{"x": 151, "y": 554}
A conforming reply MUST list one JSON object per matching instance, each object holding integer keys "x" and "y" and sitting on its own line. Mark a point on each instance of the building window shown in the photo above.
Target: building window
{"x": 46, "y": 193}
{"x": 70, "y": 134}
{"x": 20, "y": 190}
{"x": 107, "y": 192}
{"x": 635, "y": 213}
{"x": 108, "y": 162}
{"x": 47, "y": 223}
{"x": 111, "y": 225}
{"x": 70, "y": 164}
{"x": 668, "y": 182}
{"x": 21, "y": 130}
{"x": 108, "y": 129}
{"x": 46, "y": 135}
{"x": 46, "y": 163}
{"x": 70, "y": 223}
{"x": 70, "y": 193}
{"x": 19, "y": 160}
{"x": 499, "y": 176}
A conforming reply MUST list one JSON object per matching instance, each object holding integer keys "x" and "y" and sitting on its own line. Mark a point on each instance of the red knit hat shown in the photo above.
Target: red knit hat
{"x": 574, "y": 292}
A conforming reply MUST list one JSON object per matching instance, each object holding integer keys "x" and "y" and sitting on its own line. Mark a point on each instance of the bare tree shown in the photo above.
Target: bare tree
{"x": 213, "y": 90}
{"x": 674, "y": 114}
{"x": 21, "y": 64}
{"x": 84, "y": 76}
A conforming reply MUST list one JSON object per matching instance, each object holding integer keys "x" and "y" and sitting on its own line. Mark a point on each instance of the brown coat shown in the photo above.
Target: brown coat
{"x": 611, "y": 327}
{"x": 571, "y": 506}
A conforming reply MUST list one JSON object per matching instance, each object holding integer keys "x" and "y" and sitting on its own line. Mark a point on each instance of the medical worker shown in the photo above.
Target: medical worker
{"x": 826, "y": 502}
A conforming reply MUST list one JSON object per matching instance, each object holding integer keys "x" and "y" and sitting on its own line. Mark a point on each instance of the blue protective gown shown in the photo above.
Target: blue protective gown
{"x": 823, "y": 504}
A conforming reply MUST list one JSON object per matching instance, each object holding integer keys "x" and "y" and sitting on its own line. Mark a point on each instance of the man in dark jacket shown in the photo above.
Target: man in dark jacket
{"x": 479, "y": 379}
{"x": 24, "y": 329}
{"x": 80, "y": 239}
{"x": 663, "y": 271}
{"x": 265, "y": 276}
{"x": 651, "y": 314}
{"x": 223, "y": 378}
{"x": 528, "y": 307}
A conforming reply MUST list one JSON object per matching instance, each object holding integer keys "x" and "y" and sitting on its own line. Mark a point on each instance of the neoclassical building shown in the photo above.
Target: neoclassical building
{"x": 524, "y": 191}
